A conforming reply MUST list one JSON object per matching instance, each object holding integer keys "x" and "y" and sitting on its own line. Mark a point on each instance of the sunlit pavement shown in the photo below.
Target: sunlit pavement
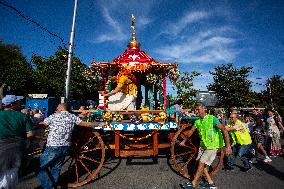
{"x": 142, "y": 174}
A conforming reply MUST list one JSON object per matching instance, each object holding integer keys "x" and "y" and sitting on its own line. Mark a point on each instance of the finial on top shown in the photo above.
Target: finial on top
{"x": 133, "y": 42}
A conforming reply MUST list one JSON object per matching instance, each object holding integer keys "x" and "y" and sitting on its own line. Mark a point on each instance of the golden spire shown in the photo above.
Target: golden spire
{"x": 133, "y": 43}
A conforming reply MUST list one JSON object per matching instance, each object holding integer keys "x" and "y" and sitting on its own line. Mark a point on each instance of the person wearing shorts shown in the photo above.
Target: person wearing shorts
{"x": 211, "y": 133}
{"x": 206, "y": 156}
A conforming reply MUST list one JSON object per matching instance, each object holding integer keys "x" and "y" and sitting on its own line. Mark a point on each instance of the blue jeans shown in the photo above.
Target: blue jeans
{"x": 53, "y": 158}
{"x": 241, "y": 151}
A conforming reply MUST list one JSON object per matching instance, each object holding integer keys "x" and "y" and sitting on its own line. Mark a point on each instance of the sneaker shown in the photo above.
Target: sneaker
{"x": 253, "y": 161}
{"x": 267, "y": 159}
{"x": 187, "y": 185}
{"x": 212, "y": 186}
{"x": 203, "y": 184}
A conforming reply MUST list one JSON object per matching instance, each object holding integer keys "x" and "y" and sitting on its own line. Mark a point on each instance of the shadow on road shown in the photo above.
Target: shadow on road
{"x": 270, "y": 170}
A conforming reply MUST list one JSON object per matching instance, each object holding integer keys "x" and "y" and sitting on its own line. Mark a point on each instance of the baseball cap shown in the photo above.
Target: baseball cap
{"x": 10, "y": 99}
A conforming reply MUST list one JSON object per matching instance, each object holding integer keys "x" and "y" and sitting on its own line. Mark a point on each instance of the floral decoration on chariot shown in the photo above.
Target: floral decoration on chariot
{"x": 173, "y": 73}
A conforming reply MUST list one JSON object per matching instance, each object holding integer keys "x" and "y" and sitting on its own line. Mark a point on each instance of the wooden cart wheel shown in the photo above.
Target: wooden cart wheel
{"x": 86, "y": 159}
{"x": 184, "y": 152}
{"x": 184, "y": 155}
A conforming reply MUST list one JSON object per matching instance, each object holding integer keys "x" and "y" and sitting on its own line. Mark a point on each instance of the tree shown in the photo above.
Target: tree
{"x": 184, "y": 89}
{"x": 275, "y": 92}
{"x": 258, "y": 99}
{"x": 16, "y": 72}
{"x": 50, "y": 77}
{"x": 231, "y": 85}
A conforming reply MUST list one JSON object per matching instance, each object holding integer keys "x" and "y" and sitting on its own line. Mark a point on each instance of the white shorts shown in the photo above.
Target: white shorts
{"x": 206, "y": 156}
{"x": 121, "y": 101}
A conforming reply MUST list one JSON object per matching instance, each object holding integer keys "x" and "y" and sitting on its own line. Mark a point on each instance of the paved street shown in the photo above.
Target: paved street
{"x": 143, "y": 174}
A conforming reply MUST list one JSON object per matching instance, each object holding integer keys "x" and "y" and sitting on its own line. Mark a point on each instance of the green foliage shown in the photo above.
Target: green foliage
{"x": 231, "y": 85}
{"x": 16, "y": 72}
{"x": 275, "y": 92}
{"x": 258, "y": 99}
{"x": 184, "y": 88}
{"x": 50, "y": 74}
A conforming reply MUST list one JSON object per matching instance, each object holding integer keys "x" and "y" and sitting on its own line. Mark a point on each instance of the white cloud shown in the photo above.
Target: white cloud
{"x": 187, "y": 19}
{"x": 211, "y": 46}
{"x": 116, "y": 34}
{"x": 143, "y": 21}
{"x": 118, "y": 25}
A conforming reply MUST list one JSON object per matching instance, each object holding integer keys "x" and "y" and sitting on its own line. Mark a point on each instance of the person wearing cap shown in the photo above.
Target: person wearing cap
{"x": 241, "y": 140}
{"x": 123, "y": 97}
{"x": 15, "y": 128}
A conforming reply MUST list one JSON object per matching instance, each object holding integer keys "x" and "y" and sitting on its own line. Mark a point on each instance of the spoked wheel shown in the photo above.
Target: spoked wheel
{"x": 86, "y": 159}
{"x": 184, "y": 151}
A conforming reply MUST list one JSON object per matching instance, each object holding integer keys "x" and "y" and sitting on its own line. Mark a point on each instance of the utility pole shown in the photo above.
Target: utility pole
{"x": 70, "y": 54}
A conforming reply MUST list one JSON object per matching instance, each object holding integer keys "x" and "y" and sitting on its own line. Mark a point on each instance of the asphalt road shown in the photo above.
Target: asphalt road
{"x": 141, "y": 173}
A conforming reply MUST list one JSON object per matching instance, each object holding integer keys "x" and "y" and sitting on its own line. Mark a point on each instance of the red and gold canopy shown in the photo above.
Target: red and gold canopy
{"x": 135, "y": 59}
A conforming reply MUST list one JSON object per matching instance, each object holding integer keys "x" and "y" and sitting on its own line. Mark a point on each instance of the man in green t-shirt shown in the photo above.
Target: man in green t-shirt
{"x": 211, "y": 139}
{"x": 15, "y": 128}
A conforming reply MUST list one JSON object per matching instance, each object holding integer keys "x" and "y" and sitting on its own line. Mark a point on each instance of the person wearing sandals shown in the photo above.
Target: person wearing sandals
{"x": 241, "y": 140}
{"x": 210, "y": 131}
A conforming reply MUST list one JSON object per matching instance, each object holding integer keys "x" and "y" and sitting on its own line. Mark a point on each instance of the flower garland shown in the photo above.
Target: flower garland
{"x": 148, "y": 117}
{"x": 107, "y": 117}
{"x": 137, "y": 119}
{"x": 173, "y": 73}
{"x": 107, "y": 89}
{"x": 152, "y": 78}
{"x": 92, "y": 73}
{"x": 117, "y": 117}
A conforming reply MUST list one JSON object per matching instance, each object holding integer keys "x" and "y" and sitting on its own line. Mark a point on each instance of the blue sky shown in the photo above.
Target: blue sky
{"x": 198, "y": 35}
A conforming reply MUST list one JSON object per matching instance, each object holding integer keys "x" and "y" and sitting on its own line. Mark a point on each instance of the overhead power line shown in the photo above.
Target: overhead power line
{"x": 31, "y": 20}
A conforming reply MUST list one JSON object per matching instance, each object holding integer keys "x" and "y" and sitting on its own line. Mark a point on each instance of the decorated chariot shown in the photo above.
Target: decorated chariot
{"x": 146, "y": 131}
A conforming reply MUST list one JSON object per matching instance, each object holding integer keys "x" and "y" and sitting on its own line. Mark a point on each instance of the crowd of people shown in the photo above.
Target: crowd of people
{"x": 248, "y": 134}
{"x": 242, "y": 135}
{"x": 17, "y": 129}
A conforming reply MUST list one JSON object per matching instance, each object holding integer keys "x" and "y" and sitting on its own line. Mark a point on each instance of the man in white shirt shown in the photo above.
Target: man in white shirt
{"x": 60, "y": 126}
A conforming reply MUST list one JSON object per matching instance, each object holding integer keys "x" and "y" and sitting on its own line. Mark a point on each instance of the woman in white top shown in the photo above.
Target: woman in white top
{"x": 274, "y": 133}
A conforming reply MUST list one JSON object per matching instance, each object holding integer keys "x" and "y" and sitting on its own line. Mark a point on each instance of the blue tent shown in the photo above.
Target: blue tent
{"x": 49, "y": 103}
